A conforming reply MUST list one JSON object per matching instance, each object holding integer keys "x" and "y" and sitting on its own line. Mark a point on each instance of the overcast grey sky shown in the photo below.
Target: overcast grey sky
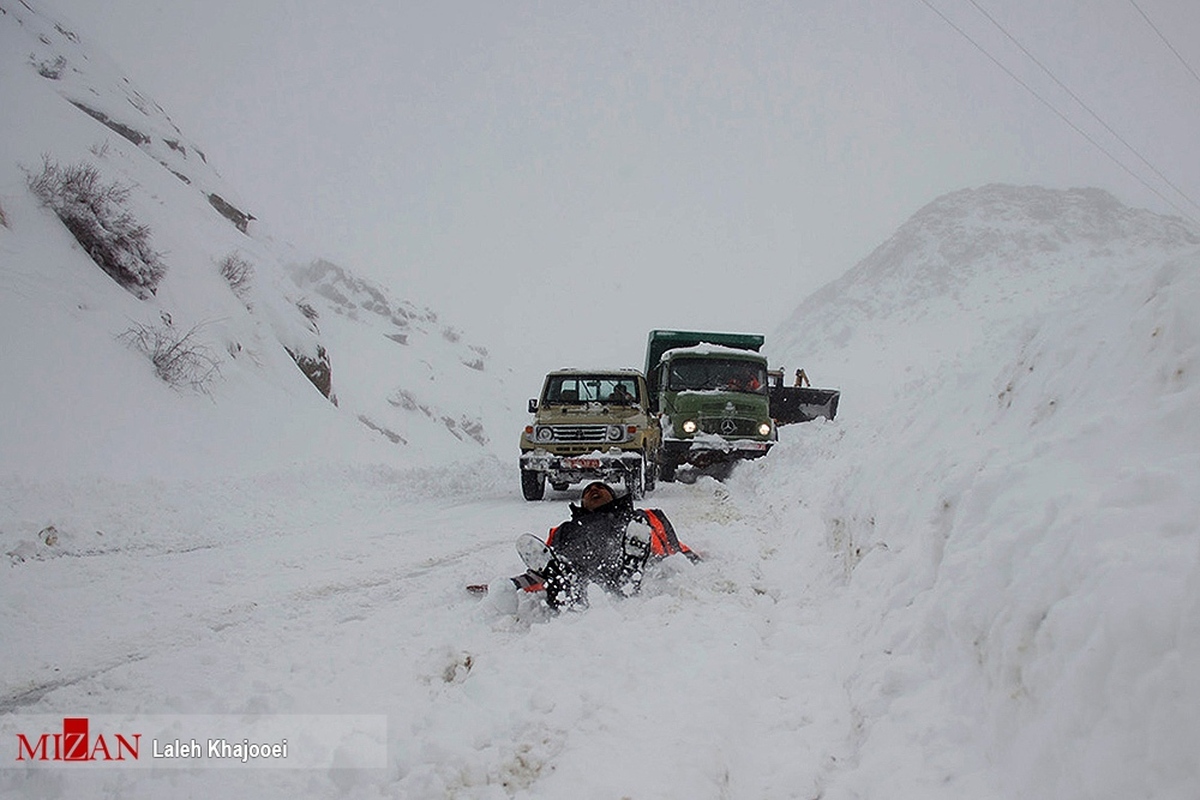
{"x": 566, "y": 176}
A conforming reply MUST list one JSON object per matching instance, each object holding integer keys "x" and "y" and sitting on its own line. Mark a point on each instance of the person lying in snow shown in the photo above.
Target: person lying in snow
{"x": 606, "y": 541}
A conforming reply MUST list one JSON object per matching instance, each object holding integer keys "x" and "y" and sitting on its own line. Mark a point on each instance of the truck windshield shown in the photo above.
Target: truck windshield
{"x": 580, "y": 389}
{"x": 730, "y": 375}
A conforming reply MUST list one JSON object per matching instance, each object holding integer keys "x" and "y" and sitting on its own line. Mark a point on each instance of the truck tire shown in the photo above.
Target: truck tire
{"x": 666, "y": 470}
{"x": 533, "y": 484}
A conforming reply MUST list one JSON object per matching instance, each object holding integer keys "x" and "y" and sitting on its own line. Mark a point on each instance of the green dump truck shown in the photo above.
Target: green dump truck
{"x": 717, "y": 402}
{"x": 710, "y": 392}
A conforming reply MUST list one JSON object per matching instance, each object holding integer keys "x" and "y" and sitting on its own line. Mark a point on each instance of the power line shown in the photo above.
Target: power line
{"x": 1058, "y": 113}
{"x": 1084, "y": 105}
{"x": 1170, "y": 46}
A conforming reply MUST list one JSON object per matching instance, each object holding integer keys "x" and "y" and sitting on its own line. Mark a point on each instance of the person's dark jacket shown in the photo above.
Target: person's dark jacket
{"x": 591, "y": 541}
{"x": 591, "y": 544}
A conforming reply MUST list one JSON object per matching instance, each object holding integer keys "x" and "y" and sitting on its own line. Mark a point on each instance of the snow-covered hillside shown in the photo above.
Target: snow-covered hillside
{"x": 404, "y": 373}
{"x": 80, "y": 344}
{"x": 981, "y": 581}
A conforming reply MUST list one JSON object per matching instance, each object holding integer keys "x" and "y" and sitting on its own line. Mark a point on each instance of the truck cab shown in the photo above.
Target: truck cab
{"x": 590, "y": 425}
{"x": 710, "y": 391}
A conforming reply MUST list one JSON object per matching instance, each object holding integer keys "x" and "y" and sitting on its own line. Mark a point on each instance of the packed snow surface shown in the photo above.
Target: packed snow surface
{"x": 981, "y": 581}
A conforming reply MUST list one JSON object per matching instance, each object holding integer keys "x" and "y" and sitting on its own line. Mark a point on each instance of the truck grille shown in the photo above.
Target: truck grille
{"x": 730, "y": 427}
{"x": 580, "y": 433}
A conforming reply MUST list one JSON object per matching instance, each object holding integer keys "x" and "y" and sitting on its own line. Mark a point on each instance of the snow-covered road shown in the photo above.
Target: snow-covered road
{"x": 341, "y": 592}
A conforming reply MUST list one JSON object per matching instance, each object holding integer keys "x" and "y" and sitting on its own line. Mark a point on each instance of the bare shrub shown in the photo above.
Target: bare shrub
{"x": 95, "y": 213}
{"x": 238, "y": 273}
{"x": 180, "y": 361}
{"x": 3, "y": 219}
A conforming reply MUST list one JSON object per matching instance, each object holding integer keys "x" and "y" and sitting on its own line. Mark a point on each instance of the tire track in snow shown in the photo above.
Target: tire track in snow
{"x": 15, "y": 701}
{"x": 213, "y": 626}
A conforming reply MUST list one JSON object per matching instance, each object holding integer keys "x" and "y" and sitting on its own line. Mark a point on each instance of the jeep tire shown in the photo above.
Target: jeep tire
{"x": 635, "y": 481}
{"x": 533, "y": 484}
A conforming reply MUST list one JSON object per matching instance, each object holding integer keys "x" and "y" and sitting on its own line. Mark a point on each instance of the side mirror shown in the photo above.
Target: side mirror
{"x": 533, "y": 405}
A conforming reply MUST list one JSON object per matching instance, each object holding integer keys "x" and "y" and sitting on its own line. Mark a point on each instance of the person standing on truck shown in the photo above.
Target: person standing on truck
{"x": 802, "y": 378}
{"x": 606, "y": 541}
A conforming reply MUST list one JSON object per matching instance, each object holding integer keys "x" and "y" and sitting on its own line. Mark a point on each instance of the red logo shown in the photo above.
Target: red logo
{"x": 75, "y": 743}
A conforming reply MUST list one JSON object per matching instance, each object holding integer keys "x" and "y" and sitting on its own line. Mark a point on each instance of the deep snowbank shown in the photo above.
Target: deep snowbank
{"x": 1018, "y": 517}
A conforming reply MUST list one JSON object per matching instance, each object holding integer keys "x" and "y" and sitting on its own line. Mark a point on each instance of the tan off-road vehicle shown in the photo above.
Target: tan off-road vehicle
{"x": 590, "y": 425}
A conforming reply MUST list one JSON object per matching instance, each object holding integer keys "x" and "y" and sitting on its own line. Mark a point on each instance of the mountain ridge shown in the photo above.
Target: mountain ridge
{"x": 967, "y": 266}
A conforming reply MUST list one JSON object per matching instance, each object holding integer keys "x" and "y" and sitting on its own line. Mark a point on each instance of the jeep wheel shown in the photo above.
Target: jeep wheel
{"x": 650, "y": 473}
{"x": 635, "y": 485}
{"x": 533, "y": 484}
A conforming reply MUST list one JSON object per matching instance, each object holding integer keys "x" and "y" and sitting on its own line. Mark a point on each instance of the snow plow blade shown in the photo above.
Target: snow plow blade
{"x": 790, "y": 404}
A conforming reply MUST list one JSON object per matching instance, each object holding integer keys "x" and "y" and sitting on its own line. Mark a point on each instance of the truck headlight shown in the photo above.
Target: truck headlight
{"x": 615, "y": 433}
{"x": 764, "y": 429}
{"x": 690, "y": 426}
{"x": 544, "y": 434}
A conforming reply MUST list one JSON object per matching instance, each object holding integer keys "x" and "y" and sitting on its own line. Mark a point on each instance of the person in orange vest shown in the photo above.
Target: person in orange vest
{"x": 606, "y": 541}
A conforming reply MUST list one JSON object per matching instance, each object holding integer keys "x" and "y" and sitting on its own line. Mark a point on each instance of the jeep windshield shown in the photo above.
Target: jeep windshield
{"x": 715, "y": 374}
{"x": 573, "y": 390}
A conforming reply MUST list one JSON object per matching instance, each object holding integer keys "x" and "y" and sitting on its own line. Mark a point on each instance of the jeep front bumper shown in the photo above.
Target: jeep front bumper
{"x": 612, "y": 465}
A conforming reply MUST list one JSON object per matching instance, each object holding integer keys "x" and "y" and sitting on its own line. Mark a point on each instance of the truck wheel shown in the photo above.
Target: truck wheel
{"x": 666, "y": 471}
{"x": 533, "y": 484}
{"x": 635, "y": 484}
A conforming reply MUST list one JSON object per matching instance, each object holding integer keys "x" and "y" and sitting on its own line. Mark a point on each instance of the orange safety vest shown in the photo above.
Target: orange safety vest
{"x": 663, "y": 541}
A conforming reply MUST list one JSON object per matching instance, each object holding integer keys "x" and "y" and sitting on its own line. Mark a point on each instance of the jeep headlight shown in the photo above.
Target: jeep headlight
{"x": 615, "y": 433}
{"x": 690, "y": 426}
{"x": 764, "y": 429}
{"x": 544, "y": 434}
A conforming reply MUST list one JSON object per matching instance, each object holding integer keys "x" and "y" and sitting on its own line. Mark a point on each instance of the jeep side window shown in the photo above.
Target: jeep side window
{"x": 563, "y": 391}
